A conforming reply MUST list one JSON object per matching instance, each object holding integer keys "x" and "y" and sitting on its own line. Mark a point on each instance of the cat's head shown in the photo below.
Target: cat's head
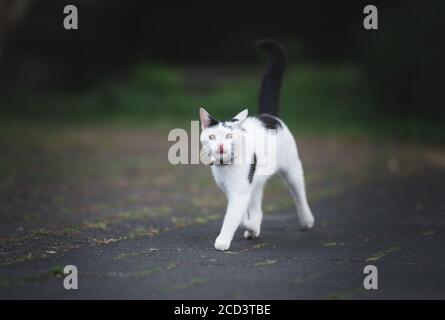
{"x": 220, "y": 139}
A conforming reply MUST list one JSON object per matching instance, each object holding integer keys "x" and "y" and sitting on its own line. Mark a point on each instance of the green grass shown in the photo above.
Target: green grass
{"x": 322, "y": 99}
{"x": 382, "y": 253}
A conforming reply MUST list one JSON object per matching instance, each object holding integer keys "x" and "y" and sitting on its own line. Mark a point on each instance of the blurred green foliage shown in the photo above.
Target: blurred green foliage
{"x": 404, "y": 61}
{"x": 316, "y": 99}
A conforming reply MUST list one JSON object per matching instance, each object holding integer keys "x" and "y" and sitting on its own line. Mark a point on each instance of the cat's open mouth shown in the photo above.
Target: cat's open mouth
{"x": 220, "y": 159}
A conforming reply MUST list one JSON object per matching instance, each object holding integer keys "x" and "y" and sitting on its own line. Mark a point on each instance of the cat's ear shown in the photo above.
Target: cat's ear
{"x": 241, "y": 116}
{"x": 206, "y": 119}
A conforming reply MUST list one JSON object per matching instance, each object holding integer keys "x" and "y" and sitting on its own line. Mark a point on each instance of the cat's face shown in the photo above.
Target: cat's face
{"x": 220, "y": 139}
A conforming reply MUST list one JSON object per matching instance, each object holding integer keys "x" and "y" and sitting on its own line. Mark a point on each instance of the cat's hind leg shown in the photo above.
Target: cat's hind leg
{"x": 254, "y": 215}
{"x": 293, "y": 176}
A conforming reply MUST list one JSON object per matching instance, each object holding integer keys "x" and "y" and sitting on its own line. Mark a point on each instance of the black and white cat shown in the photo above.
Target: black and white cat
{"x": 230, "y": 143}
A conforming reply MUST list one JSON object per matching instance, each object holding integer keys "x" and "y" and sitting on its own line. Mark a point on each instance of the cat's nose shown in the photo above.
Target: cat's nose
{"x": 221, "y": 148}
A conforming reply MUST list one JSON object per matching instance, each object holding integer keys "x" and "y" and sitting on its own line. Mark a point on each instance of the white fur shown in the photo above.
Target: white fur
{"x": 244, "y": 198}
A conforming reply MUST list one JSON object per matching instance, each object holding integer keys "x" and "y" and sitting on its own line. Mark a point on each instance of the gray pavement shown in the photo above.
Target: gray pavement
{"x": 398, "y": 226}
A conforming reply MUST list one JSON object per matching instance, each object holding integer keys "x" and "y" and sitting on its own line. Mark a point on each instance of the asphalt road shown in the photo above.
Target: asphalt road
{"x": 398, "y": 226}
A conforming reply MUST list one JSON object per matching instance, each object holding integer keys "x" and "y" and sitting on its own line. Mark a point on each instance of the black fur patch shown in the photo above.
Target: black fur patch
{"x": 269, "y": 122}
{"x": 252, "y": 169}
{"x": 213, "y": 122}
{"x": 228, "y": 123}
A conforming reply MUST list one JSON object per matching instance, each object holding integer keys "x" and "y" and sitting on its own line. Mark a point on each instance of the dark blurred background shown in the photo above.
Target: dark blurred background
{"x": 137, "y": 59}
{"x": 84, "y": 173}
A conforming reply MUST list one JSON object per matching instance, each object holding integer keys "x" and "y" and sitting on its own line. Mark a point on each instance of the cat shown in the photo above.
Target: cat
{"x": 226, "y": 142}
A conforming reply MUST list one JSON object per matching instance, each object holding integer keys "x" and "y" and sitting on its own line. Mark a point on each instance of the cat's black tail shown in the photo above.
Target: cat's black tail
{"x": 271, "y": 82}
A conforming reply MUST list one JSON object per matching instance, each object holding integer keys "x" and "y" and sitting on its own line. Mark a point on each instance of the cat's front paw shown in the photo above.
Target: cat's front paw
{"x": 308, "y": 222}
{"x": 222, "y": 244}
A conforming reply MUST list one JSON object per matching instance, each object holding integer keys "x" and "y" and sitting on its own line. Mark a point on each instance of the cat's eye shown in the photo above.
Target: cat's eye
{"x": 229, "y": 136}
{"x": 212, "y": 137}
